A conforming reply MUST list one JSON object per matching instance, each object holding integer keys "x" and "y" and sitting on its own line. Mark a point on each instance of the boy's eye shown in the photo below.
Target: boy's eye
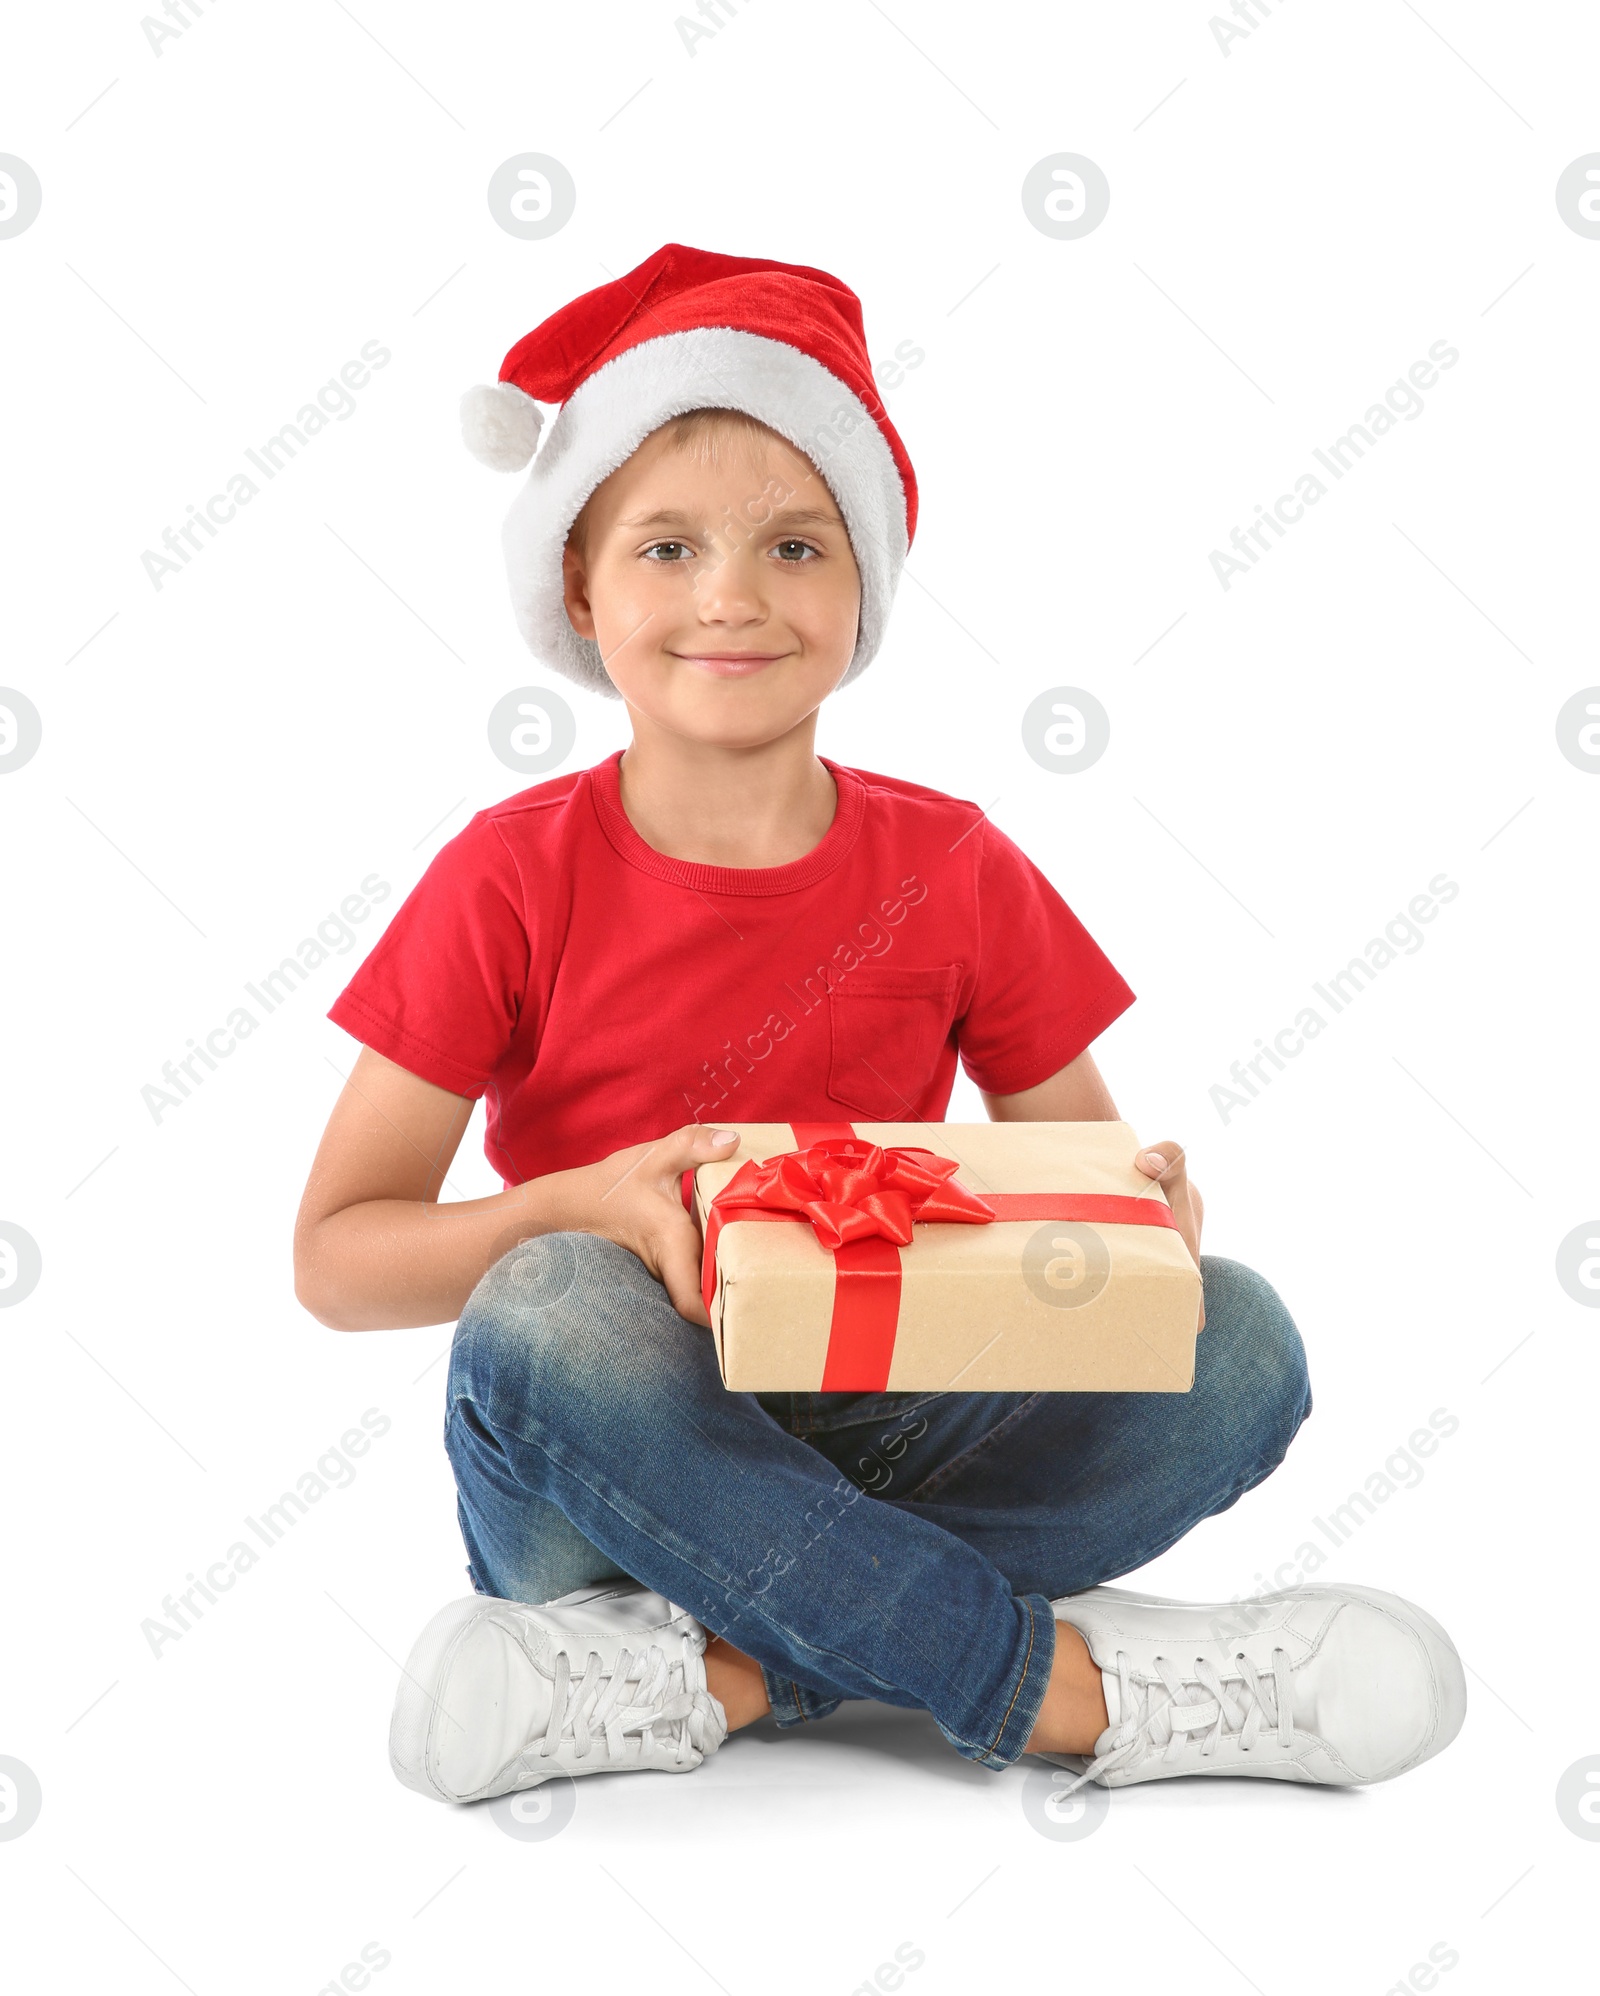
{"x": 793, "y": 550}
{"x": 667, "y": 551}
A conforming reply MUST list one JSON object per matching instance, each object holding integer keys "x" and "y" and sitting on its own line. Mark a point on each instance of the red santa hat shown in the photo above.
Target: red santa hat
{"x": 690, "y": 330}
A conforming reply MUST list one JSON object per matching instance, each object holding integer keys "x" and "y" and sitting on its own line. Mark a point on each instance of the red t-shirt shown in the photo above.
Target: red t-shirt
{"x": 601, "y": 994}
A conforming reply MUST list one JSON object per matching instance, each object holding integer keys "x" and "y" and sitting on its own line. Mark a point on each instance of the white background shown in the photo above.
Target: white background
{"x": 1296, "y": 757}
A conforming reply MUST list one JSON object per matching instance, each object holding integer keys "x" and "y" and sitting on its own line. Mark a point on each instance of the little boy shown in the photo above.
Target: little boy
{"x": 718, "y": 922}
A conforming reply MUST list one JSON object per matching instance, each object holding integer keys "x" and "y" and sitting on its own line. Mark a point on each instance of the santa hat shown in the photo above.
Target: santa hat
{"x": 690, "y": 330}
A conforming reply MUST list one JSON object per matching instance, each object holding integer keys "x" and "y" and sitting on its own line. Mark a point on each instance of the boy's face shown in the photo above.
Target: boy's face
{"x": 717, "y": 579}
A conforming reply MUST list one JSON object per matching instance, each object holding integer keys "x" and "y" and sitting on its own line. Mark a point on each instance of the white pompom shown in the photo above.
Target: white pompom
{"x": 500, "y": 425}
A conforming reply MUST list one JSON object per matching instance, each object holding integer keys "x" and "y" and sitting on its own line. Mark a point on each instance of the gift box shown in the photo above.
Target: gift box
{"x": 961, "y": 1257}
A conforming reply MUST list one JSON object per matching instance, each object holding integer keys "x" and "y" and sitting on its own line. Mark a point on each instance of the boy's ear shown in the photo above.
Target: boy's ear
{"x": 575, "y": 591}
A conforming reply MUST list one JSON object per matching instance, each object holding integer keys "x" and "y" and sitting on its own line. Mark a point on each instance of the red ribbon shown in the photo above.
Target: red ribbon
{"x": 862, "y": 1201}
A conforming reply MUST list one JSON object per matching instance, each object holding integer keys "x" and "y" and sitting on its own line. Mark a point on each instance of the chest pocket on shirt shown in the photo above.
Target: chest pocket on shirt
{"x": 888, "y": 1026}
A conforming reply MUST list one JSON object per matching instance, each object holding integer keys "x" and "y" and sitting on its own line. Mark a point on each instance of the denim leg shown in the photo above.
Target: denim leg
{"x": 519, "y": 1547}
{"x": 574, "y": 1383}
{"x": 1063, "y": 1491}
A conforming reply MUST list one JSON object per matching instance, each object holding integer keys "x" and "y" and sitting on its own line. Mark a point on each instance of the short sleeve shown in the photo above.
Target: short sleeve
{"x": 1045, "y": 990}
{"x": 442, "y": 990}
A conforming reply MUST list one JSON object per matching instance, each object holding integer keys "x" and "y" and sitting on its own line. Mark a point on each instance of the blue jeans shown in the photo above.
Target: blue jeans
{"x": 899, "y": 1546}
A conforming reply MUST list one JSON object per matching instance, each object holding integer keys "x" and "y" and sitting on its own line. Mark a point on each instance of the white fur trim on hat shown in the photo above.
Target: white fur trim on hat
{"x": 604, "y": 422}
{"x": 500, "y": 425}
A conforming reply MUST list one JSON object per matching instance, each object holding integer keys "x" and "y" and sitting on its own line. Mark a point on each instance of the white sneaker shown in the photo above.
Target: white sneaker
{"x": 1335, "y": 1685}
{"x": 496, "y": 1695}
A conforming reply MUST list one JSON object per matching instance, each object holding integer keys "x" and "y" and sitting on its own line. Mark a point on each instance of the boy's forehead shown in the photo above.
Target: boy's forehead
{"x": 802, "y": 513}
{"x": 665, "y": 484}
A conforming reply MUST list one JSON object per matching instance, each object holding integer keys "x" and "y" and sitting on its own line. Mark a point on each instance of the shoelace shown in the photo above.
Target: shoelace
{"x": 1164, "y": 1714}
{"x": 643, "y": 1694}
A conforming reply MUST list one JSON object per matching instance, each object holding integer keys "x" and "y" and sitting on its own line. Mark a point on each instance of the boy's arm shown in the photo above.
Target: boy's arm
{"x": 1077, "y": 1093}
{"x": 374, "y": 1250}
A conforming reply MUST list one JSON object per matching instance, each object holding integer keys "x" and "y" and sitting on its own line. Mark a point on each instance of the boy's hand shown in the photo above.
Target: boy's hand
{"x": 1164, "y": 1162}
{"x": 637, "y": 1202}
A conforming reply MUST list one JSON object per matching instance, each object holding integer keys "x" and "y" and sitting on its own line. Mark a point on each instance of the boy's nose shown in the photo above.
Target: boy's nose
{"x": 729, "y": 593}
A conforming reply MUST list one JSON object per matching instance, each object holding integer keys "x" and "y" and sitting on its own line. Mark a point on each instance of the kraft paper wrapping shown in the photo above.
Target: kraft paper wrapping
{"x": 1013, "y": 1306}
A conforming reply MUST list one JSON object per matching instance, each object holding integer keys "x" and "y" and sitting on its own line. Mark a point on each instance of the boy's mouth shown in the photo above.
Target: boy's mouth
{"x": 730, "y": 664}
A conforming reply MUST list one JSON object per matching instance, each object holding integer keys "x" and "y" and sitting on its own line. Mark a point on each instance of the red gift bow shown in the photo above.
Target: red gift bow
{"x": 862, "y": 1201}
{"x": 852, "y": 1191}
